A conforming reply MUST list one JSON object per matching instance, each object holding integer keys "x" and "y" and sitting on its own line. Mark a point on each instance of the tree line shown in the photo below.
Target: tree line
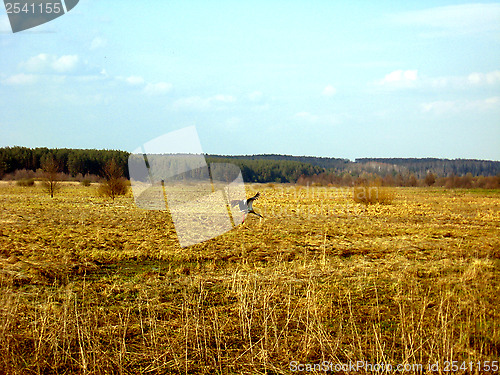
{"x": 337, "y": 164}
{"x": 410, "y": 180}
{"x": 268, "y": 170}
{"x": 440, "y": 167}
{"x": 91, "y": 162}
{"x": 74, "y": 163}
{"x": 383, "y": 166}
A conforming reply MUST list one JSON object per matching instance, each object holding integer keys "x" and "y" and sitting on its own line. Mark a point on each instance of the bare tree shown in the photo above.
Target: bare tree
{"x": 50, "y": 168}
{"x": 114, "y": 183}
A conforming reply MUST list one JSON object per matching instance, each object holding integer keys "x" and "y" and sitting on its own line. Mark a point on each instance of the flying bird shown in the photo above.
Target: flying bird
{"x": 246, "y": 207}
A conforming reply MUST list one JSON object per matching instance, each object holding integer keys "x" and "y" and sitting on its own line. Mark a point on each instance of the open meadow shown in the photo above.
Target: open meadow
{"x": 91, "y": 286}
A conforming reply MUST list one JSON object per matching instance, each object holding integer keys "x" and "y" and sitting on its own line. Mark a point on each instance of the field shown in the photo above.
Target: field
{"x": 91, "y": 286}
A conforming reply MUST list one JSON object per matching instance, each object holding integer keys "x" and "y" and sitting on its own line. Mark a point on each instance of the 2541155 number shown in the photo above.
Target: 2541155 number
{"x": 485, "y": 366}
{"x": 32, "y": 8}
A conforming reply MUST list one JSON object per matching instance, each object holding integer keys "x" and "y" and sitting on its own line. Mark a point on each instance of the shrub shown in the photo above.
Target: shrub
{"x": 25, "y": 182}
{"x": 114, "y": 184}
{"x": 114, "y": 187}
{"x": 23, "y": 174}
{"x": 85, "y": 182}
{"x": 412, "y": 181}
{"x": 371, "y": 194}
{"x": 430, "y": 179}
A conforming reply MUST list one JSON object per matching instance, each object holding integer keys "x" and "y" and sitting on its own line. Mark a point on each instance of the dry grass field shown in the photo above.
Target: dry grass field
{"x": 90, "y": 286}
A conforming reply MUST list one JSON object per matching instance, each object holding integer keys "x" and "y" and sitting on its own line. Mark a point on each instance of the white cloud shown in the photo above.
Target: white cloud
{"x": 453, "y": 20}
{"x": 20, "y": 79}
{"x": 50, "y": 63}
{"x": 37, "y": 63}
{"x": 134, "y": 80}
{"x": 407, "y": 79}
{"x": 159, "y": 88}
{"x": 399, "y": 79}
{"x": 495, "y": 100}
{"x": 490, "y": 78}
{"x": 199, "y": 103}
{"x": 98, "y": 42}
{"x": 472, "y": 80}
{"x": 65, "y": 63}
{"x": 441, "y": 107}
{"x": 329, "y": 90}
{"x": 488, "y": 104}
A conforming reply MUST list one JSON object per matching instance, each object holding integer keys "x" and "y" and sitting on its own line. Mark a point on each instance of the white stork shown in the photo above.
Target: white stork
{"x": 245, "y": 206}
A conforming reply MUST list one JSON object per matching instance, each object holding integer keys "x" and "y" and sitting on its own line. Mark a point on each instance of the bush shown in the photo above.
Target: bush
{"x": 430, "y": 179}
{"x": 113, "y": 188}
{"x": 114, "y": 184}
{"x": 85, "y": 182}
{"x": 88, "y": 177}
{"x": 25, "y": 182}
{"x": 371, "y": 194}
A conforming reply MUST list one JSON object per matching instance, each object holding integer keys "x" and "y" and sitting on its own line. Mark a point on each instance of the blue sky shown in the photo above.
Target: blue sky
{"x": 325, "y": 78}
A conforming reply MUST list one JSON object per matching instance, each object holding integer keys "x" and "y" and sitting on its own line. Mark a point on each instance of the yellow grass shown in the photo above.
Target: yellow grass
{"x": 89, "y": 286}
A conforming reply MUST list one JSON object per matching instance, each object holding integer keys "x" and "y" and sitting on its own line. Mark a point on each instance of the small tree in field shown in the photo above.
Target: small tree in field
{"x": 430, "y": 179}
{"x": 50, "y": 168}
{"x": 114, "y": 183}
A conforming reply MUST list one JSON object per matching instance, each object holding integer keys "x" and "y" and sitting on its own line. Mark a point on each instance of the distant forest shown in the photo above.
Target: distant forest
{"x": 440, "y": 167}
{"x": 72, "y": 162}
{"x": 22, "y": 162}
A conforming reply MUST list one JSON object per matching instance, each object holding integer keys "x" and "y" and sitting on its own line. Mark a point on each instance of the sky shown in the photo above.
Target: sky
{"x": 346, "y": 79}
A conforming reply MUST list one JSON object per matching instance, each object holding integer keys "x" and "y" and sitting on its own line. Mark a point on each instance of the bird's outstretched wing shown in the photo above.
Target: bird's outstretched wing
{"x": 245, "y": 205}
{"x": 253, "y": 198}
{"x": 242, "y": 205}
{"x": 250, "y": 200}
